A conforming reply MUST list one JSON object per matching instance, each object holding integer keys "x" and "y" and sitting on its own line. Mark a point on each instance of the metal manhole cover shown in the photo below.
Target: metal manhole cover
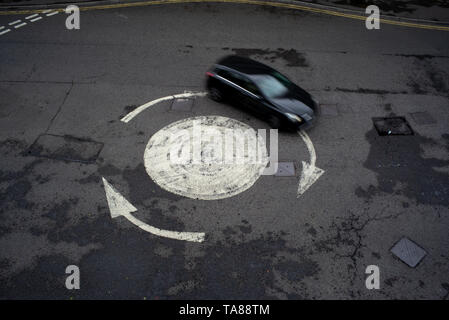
{"x": 392, "y": 126}
{"x": 329, "y": 110}
{"x": 286, "y": 169}
{"x": 184, "y": 105}
{"x": 409, "y": 252}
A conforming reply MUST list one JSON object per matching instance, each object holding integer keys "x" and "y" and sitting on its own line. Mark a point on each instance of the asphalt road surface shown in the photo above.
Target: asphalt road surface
{"x": 58, "y": 86}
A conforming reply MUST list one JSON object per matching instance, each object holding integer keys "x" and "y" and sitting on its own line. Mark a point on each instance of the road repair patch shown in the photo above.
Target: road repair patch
{"x": 66, "y": 148}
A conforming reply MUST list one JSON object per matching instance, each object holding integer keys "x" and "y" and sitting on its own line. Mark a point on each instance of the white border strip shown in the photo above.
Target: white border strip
{"x": 14, "y": 22}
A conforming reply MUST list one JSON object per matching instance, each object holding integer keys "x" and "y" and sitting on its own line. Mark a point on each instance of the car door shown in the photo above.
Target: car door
{"x": 253, "y": 99}
{"x": 241, "y": 91}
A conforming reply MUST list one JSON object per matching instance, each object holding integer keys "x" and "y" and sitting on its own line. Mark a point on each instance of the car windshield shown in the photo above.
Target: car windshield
{"x": 272, "y": 85}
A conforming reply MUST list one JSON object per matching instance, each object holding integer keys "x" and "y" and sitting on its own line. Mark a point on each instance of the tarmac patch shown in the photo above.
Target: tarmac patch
{"x": 422, "y": 118}
{"x": 66, "y": 148}
{"x": 290, "y": 56}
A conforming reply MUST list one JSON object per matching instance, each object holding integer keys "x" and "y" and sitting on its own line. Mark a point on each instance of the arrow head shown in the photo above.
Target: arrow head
{"x": 118, "y": 205}
{"x": 309, "y": 175}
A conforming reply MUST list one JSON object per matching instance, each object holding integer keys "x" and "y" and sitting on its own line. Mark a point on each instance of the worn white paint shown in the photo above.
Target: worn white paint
{"x": 14, "y": 22}
{"x": 310, "y": 173}
{"x": 52, "y": 13}
{"x": 36, "y": 19}
{"x": 20, "y": 25}
{"x": 32, "y": 16}
{"x": 4, "y": 31}
{"x": 119, "y": 206}
{"x": 210, "y": 180}
{"x": 138, "y": 110}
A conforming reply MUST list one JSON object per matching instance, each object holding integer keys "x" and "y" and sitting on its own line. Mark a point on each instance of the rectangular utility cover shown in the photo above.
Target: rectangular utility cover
{"x": 329, "y": 110}
{"x": 285, "y": 169}
{"x": 409, "y": 252}
{"x": 182, "y": 105}
{"x": 392, "y": 126}
{"x": 65, "y": 148}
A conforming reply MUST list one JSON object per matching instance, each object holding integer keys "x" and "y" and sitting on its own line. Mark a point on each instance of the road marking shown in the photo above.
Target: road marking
{"x": 138, "y": 110}
{"x": 20, "y": 25}
{"x": 52, "y": 13}
{"x": 310, "y": 173}
{"x": 209, "y": 177}
{"x": 119, "y": 206}
{"x": 14, "y": 22}
{"x": 252, "y": 2}
{"x": 154, "y": 157}
{"x": 32, "y": 16}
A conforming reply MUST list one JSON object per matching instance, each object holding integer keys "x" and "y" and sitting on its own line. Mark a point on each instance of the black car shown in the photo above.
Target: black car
{"x": 262, "y": 90}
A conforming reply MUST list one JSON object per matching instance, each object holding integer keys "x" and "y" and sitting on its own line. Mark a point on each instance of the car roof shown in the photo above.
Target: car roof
{"x": 244, "y": 65}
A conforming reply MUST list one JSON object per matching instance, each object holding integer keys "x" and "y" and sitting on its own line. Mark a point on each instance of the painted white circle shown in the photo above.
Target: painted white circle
{"x": 201, "y": 158}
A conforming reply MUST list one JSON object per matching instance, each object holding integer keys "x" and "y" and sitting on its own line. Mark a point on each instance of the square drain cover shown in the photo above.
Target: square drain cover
{"x": 392, "y": 126}
{"x": 329, "y": 110}
{"x": 65, "y": 148}
{"x": 182, "y": 105}
{"x": 286, "y": 169}
{"x": 409, "y": 252}
{"x": 422, "y": 118}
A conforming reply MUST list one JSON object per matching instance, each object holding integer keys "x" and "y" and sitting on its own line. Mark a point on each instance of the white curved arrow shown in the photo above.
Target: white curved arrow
{"x": 310, "y": 173}
{"x": 119, "y": 206}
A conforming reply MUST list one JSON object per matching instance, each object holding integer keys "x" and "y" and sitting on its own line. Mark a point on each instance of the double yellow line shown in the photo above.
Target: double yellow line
{"x": 254, "y": 2}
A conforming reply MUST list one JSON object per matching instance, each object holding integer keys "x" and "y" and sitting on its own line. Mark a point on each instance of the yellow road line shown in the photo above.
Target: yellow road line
{"x": 254, "y": 2}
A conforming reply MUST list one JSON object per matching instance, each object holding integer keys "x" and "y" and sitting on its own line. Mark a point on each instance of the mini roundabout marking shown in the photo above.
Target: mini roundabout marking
{"x": 194, "y": 178}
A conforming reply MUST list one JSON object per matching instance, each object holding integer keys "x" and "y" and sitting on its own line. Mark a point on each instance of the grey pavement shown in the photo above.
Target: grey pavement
{"x": 264, "y": 242}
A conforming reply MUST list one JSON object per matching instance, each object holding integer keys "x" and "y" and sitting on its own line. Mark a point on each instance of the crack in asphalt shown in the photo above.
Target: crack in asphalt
{"x": 349, "y": 232}
{"x": 59, "y": 108}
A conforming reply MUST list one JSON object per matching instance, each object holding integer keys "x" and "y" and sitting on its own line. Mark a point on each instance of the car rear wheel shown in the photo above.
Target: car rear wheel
{"x": 215, "y": 94}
